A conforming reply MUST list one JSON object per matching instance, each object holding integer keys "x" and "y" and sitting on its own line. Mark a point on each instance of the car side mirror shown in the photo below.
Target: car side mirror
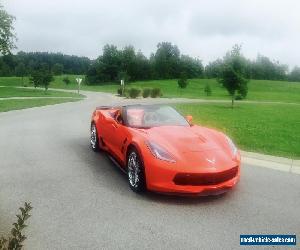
{"x": 189, "y": 118}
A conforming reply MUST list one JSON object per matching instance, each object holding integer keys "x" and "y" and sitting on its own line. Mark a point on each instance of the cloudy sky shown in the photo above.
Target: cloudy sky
{"x": 201, "y": 28}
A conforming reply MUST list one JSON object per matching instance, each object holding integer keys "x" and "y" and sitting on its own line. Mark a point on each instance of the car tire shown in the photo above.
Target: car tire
{"x": 94, "y": 138}
{"x": 135, "y": 172}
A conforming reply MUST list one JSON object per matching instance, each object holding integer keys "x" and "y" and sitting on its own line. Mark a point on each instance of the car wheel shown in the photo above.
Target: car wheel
{"x": 94, "y": 138}
{"x": 135, "y": 172}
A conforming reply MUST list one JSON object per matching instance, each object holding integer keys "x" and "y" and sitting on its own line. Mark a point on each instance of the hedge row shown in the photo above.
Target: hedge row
{"x": 136, "y": 92}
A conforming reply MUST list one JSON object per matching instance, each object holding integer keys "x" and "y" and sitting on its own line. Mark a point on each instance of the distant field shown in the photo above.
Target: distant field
{"x": 259, "y": 90}
{"x": 8, "y": 105}
{"x": 266, "y": 128}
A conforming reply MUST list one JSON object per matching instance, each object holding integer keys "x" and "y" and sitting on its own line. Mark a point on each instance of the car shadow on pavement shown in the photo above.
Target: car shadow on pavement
{"x": 183, "y": 200}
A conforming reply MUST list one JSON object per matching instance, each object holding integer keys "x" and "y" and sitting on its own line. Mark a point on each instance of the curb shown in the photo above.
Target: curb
{"x": 272, "y": 162}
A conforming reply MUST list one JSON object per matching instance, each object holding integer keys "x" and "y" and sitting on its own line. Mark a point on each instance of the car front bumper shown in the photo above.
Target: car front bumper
{"x": 160, "y": 178}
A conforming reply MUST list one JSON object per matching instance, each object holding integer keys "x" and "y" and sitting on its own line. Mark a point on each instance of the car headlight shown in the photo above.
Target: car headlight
{"x": 160, "y": 153}
{"x": 232, "y": 147}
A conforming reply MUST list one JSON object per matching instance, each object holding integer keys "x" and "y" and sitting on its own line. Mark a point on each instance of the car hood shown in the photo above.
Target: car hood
{"x": 193, "y": 145}
{"x": 187, "y": 139}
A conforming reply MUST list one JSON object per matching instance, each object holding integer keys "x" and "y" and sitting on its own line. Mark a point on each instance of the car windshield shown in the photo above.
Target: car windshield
{"x": 152, "y": 116}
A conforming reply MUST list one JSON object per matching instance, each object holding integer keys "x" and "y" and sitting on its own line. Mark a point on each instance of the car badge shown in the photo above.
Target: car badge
{"x": 212, "y": 161}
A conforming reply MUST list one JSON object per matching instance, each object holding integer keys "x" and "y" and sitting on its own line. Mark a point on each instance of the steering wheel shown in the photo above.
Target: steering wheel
{"x": 150, "y": 118}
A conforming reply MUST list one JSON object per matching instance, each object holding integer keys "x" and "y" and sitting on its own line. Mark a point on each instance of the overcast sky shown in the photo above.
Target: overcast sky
{"x": 204, "y": 29}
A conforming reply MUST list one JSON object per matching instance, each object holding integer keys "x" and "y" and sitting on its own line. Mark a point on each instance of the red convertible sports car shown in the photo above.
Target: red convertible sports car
{"x": 162, "y": 151}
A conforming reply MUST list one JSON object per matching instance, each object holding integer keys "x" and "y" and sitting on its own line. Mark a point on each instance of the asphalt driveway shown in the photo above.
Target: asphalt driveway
{"x": 82, "y": 201}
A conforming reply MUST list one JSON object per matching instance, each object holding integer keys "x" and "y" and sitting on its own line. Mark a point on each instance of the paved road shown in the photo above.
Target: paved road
{"x": 82, "y": 201}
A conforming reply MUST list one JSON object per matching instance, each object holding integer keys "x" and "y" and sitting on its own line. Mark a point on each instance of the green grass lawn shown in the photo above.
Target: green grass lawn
{"x": 12, "y": 81}
{"x": 8, "y": 105}
{"x": 27, "y": 92}
{"x": 259, "y": 90}
{"x": 9, "y": 91}
{"x": 266, "y": 128}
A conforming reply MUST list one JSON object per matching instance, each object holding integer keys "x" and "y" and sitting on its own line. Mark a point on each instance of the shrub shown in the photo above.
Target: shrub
{"x": 119, "y": 91}
{"x": 125, "y": 93}
{"x": 134, "y": 93}
{"x": 66, "y": 80}
{"x": 146, "y": 92}
{"x": 182, "y": 83}
{"x": 156, "y": 92}
{"x": 16, "y": 239}
{"x": 122, "y": 92}
{"x": 207, "y": 90}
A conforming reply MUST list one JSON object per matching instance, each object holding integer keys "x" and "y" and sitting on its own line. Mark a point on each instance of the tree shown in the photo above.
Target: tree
{"x": 213, "y": 69}
{"x": 57, "y": 69}
{"x": 128, "y": 63}
{"x": 167, "y": 61}
{"x": 207, "y": 89}
{"x": 7, "y": 37}
{"x": 265, "y": 69}
{"x": 42, "y": 76}
{"x": 192, "y": 67}
{"x": 295, "y": 75}
{"x": 7, "y": 65}
{"x": 232, "y": 73}
{"x": 21, "y": 71}
{"x": 114, "y": 64}
{"x": 111, "y": 62}
{"x": 143, "y": 67}
{"x": 122, "y": 75}
{"x": 35, "y": 79}
{"x": 183, "y": 82}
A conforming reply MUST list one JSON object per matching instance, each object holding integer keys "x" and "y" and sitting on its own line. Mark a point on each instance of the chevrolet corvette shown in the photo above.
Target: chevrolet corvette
{"x": 162, "y": 151}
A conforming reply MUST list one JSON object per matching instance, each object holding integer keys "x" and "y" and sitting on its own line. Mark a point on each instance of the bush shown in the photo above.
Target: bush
{"x": 134, "y": 93}
{"x": 156, "y": 92}
{"x": 16, "y": 239}
{"x": 146, "y": 92}
{"x": 66, "y": 80}
{"x": 207, "y": 90}
{"x": 182, "y": 83}
{"x": 119, "y": 91}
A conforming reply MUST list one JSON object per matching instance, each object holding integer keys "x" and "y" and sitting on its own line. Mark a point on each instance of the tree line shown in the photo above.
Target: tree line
{"x": 23, "y": 64}
{"x": 127, "y": 63}
{"x": 168, "y": 63}
{"x": 262, "y": 68}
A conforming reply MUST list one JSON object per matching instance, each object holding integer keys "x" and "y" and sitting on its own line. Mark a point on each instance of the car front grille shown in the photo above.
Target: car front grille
{"x": 196, "y": 179}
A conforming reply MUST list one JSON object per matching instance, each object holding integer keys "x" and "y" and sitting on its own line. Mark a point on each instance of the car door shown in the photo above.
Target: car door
{"x": 117, "y": 136}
